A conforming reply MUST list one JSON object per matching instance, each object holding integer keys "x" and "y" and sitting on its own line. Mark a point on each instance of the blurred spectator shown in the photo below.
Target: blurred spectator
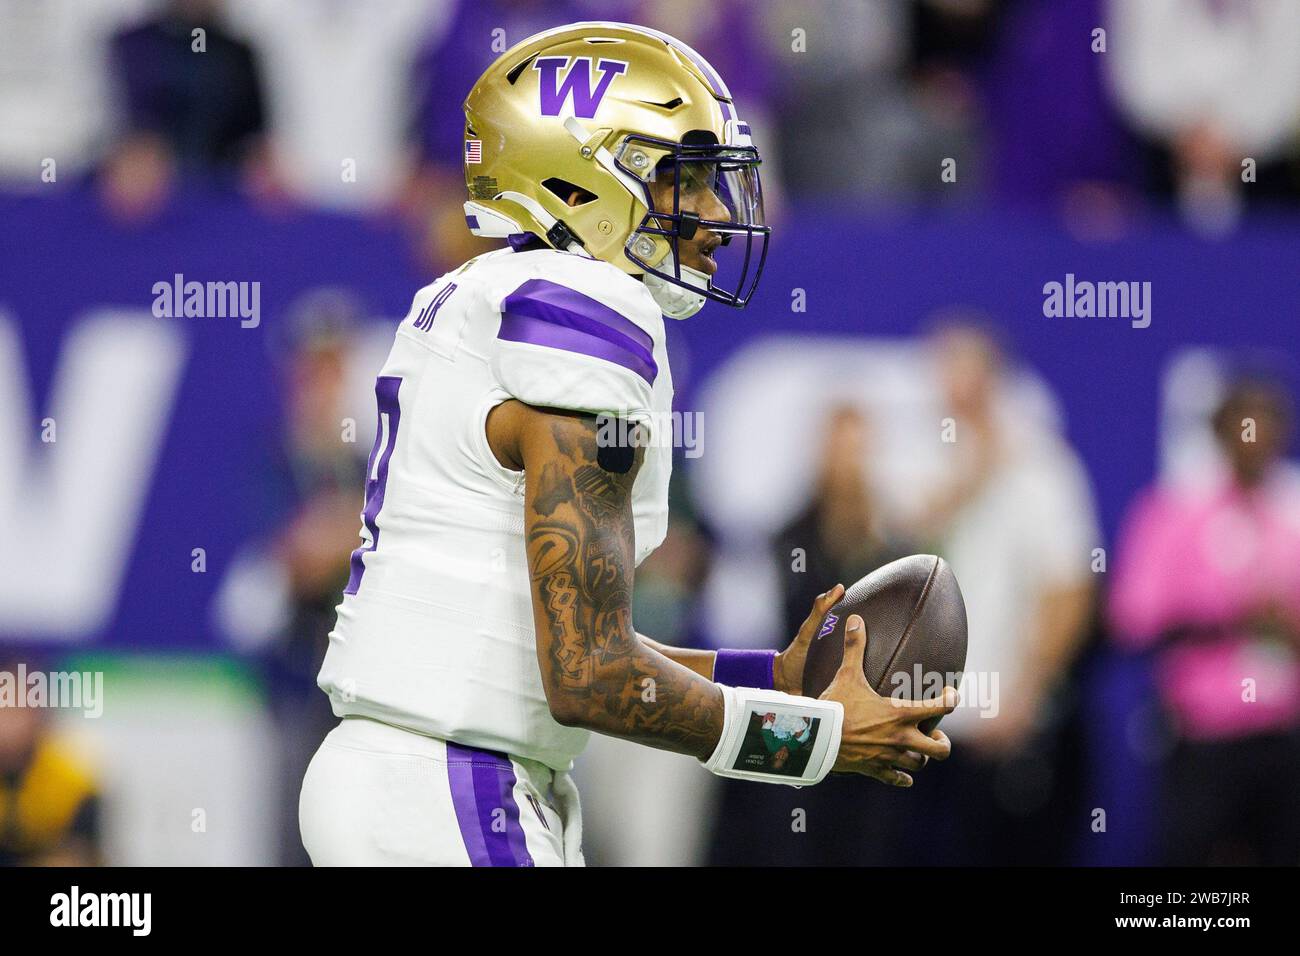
{"x": 324, "y": 478}
{"x": 1054, "y": 136}
{"x": 49, "y": 802}
{"x": 840, "y": 96}
{"x": 840, "y": 534}
{"x": 952, "y": 34}
{"x": 856, "y": 118}
{"x": 1208, "y": 579}
{"x": 339, "y": 97}
{"x": 193, "y": 97}
{"x": 326, "y": 474}
{"x": 328, "y": 478}
{"x": 950, "y": 43}
{"x": 837, "y": 538}
{"x": 1209, "y": 83}
{"x": 192, "y": 83}
{"x": 54, "y": 103}
{"x": 1017, "y": 524}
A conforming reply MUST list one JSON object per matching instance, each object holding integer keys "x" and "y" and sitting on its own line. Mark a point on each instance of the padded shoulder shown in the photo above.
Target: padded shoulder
{"x": 575, "y": 333}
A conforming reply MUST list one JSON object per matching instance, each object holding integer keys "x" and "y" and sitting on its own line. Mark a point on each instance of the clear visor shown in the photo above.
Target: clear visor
{"x": 714, "y": 210}
{"x": 732, "y": 178}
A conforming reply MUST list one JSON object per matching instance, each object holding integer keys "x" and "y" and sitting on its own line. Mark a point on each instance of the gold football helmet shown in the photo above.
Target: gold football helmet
{"x": 599, "y": 110}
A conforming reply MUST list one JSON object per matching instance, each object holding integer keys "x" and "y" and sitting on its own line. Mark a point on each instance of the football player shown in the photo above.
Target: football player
{"x": 517, "y": 480}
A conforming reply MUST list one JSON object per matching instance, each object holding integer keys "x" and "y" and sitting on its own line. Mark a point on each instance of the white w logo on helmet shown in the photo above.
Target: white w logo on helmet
{"x": 577, "y": 84}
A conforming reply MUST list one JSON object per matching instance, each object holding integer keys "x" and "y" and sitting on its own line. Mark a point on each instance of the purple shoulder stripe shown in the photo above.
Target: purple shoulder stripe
{"x": 483, "y": 794}
{"x": 541, "y": 312}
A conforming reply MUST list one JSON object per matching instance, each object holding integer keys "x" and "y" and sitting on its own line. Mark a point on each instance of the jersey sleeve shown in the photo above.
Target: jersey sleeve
{"x": 571, "y": 344}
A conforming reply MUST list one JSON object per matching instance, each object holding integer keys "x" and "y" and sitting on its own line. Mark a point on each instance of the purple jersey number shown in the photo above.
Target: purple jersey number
{"x": 390, "y": 414}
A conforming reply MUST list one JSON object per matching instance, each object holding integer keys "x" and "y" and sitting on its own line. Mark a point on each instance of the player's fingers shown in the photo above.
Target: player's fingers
{"x": 909, "y": 760}
{"x": 919, "y": 710}
{"x": 825, "y": 601}
{"x": 855, "y": 648}
{"x": 939, "y": 737}
{"x": 937, "y": 747}
{"x": 895, "y": 778}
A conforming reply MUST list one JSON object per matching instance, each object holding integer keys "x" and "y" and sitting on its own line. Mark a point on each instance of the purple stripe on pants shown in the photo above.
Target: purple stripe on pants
{"x": 482, "y": 792}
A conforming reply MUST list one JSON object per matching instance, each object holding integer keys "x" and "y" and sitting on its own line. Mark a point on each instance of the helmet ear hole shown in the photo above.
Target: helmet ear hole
{"x": 568, "y": 193}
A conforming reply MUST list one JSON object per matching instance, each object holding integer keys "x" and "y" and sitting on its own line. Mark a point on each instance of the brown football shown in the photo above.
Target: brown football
{"x": 916, "y": 625}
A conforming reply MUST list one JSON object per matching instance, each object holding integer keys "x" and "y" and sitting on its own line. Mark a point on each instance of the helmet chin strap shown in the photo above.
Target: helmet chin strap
{"x": 675, "y": 301}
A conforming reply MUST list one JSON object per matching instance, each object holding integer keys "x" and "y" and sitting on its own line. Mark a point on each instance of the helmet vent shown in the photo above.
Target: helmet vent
{"x": 604, "y": 40}
{"x": 699, "y": 137}
{"x": 672, "y": 104}
{"x": 513, "y": 75}
{"x": 565, "y": 190}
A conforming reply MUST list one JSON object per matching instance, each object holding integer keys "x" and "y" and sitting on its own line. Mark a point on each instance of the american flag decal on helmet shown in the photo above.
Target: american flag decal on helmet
{"x": 473, "y": 152}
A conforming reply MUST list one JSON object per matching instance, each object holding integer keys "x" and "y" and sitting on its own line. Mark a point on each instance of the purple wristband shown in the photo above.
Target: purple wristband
{"x": 744, "y": 668}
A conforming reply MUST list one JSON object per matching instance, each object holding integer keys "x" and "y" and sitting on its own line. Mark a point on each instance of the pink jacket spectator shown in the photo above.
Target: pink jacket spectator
{"x": 1205, "y": 559}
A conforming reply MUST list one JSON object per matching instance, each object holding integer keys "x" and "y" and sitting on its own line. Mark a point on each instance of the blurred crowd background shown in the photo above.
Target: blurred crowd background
{"x": 185, "y": 492}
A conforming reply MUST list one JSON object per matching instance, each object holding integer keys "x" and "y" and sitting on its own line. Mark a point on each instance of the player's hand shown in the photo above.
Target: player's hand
{"x": 787, "y": 669}
{"x": 880, "y": 737}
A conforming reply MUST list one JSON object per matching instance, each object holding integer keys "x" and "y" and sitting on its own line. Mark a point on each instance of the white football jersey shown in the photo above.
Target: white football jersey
{"x": 435, "y": 631}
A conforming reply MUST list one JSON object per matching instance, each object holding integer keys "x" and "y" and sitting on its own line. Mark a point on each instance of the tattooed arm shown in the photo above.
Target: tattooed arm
{"x": 597, "y": 672}
{"x": 697, "y": 660}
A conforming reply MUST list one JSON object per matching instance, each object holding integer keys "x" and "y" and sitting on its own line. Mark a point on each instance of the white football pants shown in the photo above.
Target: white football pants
{"x": 376, "y": 795}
